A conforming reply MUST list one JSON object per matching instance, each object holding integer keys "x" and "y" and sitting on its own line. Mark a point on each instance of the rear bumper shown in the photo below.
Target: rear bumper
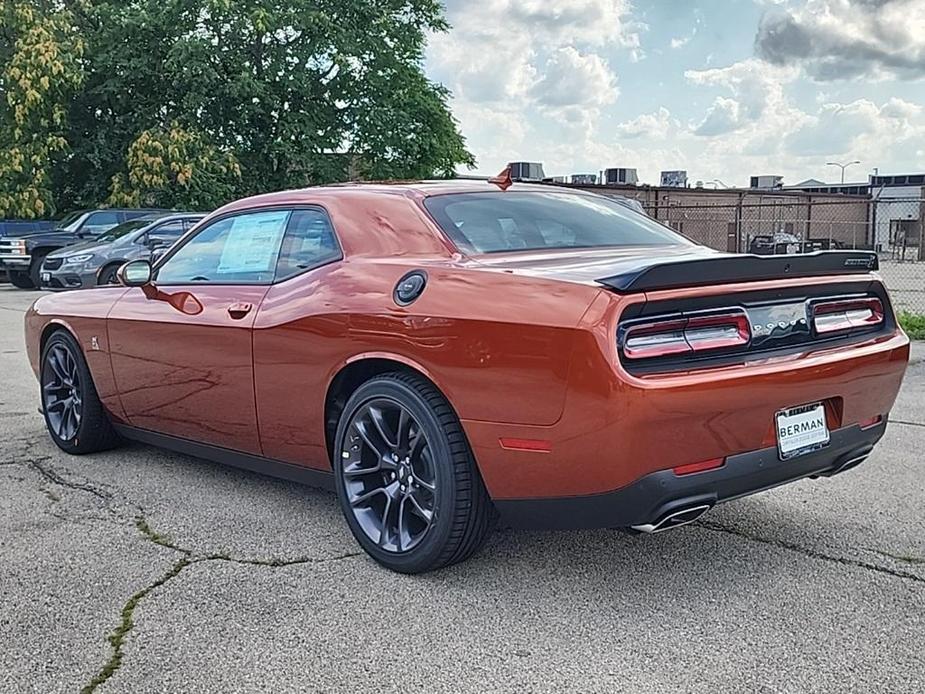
{"x": 660, "y": 494}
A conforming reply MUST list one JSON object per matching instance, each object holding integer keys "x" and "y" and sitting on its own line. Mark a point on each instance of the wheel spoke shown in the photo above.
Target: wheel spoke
{"x": 366, "y": 496}
{"x": 376, "y": 415}
{"x": 54, "y": 361}
{"x": 404, "y": 429}
{"x": 426, "y": 485}
{"x": 384, "y": 528}
{"x": 426, "y": 514}
{"x": 356, "y": 470}
{"x": 363, "y": 430}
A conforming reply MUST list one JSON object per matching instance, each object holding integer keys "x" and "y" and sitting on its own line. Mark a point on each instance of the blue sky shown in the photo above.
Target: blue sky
{"x": 723, "y": 88}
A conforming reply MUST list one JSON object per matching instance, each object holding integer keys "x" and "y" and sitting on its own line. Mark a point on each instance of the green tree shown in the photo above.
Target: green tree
{"x": 298, "y": 92}
{"x": 175, "y": 169}
{"x": 40, "y": 69}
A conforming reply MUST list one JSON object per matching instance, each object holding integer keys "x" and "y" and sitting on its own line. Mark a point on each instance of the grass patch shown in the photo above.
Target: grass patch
{"x": 913, "y": 324}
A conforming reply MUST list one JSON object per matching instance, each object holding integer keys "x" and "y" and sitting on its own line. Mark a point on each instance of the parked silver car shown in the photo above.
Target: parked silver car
{"x": 95, "y": 262}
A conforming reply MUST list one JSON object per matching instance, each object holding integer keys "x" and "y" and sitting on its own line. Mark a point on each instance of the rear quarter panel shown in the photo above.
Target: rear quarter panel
{"x": 496, "y": 344}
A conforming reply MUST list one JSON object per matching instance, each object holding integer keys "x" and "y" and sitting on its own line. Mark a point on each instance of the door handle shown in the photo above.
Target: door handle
{"x": 239, "y": 310}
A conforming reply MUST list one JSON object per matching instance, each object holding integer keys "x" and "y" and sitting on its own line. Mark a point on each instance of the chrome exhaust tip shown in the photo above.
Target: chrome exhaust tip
{"x": 675, "y": 519}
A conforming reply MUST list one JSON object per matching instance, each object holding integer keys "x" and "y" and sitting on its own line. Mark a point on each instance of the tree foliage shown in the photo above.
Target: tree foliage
{"x": 193, "y": 102}
{"x": 40, "y": 60}
{"x": 175, "y": 169}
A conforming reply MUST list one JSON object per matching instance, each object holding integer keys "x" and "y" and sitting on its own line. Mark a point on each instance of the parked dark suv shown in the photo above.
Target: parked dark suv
{"x": 22, "y": 256}
{"x": 94, "y": 262}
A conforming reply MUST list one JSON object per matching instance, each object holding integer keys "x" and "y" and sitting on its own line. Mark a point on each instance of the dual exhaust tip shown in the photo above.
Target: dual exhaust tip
{"x": 675, "y": 519}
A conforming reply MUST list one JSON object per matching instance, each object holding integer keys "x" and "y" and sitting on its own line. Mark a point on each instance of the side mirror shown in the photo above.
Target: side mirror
{"x": 135, "y": 273}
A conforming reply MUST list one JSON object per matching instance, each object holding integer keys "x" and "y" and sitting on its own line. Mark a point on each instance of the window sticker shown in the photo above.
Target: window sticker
{"x": 253, "y": 243}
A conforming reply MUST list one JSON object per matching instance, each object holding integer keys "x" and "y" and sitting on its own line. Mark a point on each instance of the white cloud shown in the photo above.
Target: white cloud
{"x": 654, "y": 126}
{"x": 754, "y": 84}
{"x": 723, "y": 117}
{"x": 680, "y": 41}
{"x": 570, "y": 78}
{"x": 843, "y": 39}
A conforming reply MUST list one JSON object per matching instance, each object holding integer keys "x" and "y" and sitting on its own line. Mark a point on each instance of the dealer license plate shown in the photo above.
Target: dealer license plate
{"x": 801, "y": 430}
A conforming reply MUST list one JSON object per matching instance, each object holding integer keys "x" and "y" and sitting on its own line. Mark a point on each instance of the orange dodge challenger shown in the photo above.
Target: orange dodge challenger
{"x": 444, "y": 354}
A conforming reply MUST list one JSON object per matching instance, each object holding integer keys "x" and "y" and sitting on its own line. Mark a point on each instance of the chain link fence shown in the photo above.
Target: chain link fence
{"x": 893, "y": 228}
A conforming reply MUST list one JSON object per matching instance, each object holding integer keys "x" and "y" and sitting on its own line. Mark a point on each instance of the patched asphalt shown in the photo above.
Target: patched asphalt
{"x": 139, "y": 570}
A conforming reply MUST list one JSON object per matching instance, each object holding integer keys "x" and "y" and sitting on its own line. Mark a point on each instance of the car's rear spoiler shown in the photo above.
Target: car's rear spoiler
{"x": 725, "y": 269}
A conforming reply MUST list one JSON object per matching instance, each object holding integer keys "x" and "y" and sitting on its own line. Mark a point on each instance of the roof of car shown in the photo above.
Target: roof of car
{"x": 417, "y": 189}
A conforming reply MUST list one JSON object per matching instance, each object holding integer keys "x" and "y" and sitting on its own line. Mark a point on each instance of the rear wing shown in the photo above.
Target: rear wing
{"x": 727, "y": 269}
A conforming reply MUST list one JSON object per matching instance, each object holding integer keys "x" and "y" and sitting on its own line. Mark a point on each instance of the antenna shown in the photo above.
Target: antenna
{"x": 503, "y": 180}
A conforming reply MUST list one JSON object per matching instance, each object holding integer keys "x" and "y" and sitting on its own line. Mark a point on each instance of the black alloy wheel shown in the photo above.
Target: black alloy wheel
{"x": 406, "y": 478}
{"x": 74, "y": 415}
{"x": 62, "y": 393}
{"x": 389, "y": 476}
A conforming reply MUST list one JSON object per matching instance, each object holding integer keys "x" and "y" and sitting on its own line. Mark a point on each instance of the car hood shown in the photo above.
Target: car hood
{"x": 589, "y": 265}
{"x": 77, "y": 248}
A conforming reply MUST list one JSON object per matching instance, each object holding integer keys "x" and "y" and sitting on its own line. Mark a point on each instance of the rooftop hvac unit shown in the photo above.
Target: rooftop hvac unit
{"x": 585, "y": 179}
{"x": 527, "y": 171}
{"x": 624, "y": 177}
{"x": 766, "y": 182}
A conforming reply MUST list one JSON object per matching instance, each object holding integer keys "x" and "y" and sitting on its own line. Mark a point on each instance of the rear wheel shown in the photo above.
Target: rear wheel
{"x": 20, "y": 279}
{"x": 74, "y": 415}
{"x": 406, "y": 479}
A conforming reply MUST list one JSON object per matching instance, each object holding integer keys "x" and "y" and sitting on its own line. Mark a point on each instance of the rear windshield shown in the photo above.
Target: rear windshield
{"x": 505, "y": 221}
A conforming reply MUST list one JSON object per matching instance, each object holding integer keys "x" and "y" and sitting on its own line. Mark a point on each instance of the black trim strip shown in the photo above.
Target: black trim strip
{"x": 674, "y": 274}
{"x": 253, "y": 463}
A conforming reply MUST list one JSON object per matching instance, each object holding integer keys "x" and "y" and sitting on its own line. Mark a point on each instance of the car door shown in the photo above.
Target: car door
{"x": 181, "y": 348}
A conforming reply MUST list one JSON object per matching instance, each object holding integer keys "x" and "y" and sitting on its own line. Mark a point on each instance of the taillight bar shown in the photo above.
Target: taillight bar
{"x": 687, "y": 334}
{"x": 846, "y": 314}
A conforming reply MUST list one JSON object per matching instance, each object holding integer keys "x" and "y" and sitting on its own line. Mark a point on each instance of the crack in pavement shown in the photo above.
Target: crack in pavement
{"x": 793, "y": 547}
{"x": 127, "y": 623}
{"x": 908, "y": 424}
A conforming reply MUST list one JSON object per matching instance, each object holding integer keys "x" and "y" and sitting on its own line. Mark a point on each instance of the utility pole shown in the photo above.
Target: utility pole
{"x": 842, "y": 166}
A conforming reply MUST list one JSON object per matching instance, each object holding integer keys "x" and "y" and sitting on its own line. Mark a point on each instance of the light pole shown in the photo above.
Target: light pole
{"x": 842, "y": 166}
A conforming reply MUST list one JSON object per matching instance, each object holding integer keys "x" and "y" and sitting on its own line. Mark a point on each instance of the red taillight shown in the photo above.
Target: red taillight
{"x": 871, "y": 422}
{"x": 847, "y": 314}
{"x": 696, "y": 333}
{"x": 703, "y": 466}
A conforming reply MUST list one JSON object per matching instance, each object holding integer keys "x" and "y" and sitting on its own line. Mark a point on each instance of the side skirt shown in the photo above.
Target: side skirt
{"x": 253, "y": 463}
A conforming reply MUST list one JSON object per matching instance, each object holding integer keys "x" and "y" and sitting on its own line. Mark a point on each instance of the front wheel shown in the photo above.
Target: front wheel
{"x": 406, "y": 478}
{"x": 20, "y": 279}
{"x": 74, "y": 415}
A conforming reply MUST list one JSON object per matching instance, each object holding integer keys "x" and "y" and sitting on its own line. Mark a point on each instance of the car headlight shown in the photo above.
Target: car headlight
{"x": 17, "y": 246}
{"x": 75, "y": 259}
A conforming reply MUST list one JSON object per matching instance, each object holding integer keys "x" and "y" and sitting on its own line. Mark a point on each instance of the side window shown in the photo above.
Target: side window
{"x": 169, "y": 232}
{"x": 235, "y": 250}
{"x": 98, "y": 222}
{"x": 309, "y": 242}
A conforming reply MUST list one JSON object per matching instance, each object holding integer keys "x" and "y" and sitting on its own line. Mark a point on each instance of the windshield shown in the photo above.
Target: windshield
{"x": 122, "y": 230}
{"x": 69, "y": 219}
{"x": 505, "y": 221}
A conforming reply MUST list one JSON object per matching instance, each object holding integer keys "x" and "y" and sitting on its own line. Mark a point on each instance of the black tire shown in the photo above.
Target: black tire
{"x": 35, "y": 268}
{"x": 108, "y": 276}
{"x": 462, "y": 513}
{"x": 20, "y": 279}
{"x": 89, "y": 430}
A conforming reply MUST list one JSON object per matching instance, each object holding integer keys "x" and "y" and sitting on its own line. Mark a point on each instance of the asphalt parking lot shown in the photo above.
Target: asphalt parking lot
{"x": 144, "y": 571}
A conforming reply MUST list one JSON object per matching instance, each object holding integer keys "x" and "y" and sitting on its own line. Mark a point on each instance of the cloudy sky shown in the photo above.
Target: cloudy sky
{"x": 722, "y": 88}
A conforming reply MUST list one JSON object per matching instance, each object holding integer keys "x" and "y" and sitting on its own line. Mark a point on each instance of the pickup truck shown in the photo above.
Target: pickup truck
{"x": 21, "y": 256}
